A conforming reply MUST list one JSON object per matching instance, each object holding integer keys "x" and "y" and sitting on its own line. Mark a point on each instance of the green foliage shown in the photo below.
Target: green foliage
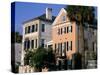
{"x": 16, "y": 37}
{"x": 27, "y": 57}
{"x": 39, "y": 58}
{"x": 83, "y": 14}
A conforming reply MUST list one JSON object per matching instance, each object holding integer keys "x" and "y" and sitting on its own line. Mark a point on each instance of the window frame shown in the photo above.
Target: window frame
{"x": 43, "y": 28}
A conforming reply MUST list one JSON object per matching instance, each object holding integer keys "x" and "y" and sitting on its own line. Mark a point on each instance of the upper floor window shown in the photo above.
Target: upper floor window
{"x": 25, "y": 30}
{"x": 70, "y": 29}
{"x": 43, "y": 27}
{"x": 67, "y": 29}
{"x": 58, "y": 31}
{"x": 33, "y": 28}
{"x": 64, "y": 29}
{"x": 67, "y": 45}
{"x": 36, "y": 27}
{"x": 63, "y": 18}
{"x": 61, "y": 30}
{"x": 28, "y": 29}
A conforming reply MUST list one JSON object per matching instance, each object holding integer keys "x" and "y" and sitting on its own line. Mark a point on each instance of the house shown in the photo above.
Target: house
{"x": 37, "y": 32}
{"x": 66, "y": 38}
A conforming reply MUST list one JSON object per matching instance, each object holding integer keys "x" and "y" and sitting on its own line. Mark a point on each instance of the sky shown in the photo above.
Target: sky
{"x": 28, "y": 10}
{"x": 25, "y": 11}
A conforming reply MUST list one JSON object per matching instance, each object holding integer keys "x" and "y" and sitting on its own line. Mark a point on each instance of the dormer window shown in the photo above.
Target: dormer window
{"x": 63, "y": 18}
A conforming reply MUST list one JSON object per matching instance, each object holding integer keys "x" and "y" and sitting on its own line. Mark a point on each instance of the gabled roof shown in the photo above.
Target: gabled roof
{"x": 60, "y": 12}
{"x": 41, "y": 17}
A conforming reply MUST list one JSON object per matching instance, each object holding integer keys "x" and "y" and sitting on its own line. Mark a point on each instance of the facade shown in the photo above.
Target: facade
{"x": 66, "y": 37}
{"x": 37, "y": 32}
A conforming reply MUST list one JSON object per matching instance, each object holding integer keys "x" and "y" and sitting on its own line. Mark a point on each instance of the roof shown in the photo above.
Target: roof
{"x": 41, "y": 17}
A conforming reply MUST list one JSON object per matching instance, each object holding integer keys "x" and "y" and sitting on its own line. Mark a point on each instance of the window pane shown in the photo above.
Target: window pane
{"x": 71, "y": 28}
{"x": 58, "y": 31}
{"x": 63, "y": 18}
{"x": 32, "y": 43}
{"x": 43, "y": 27}
{"x": 28, "y": 29}
{"x": 65, "y": 48}
{"x": 61, "y": 49}
{"x": 55, "y": 47}
{"x": 28, "y": 44}
{"x": 67, "y": 30}
{"x": 36, "y": 43}
{"x": 36, "y": 27}
{"x": 42, "y": 42}
{"x": 33, "y": 27}
{"x": 67, "y": 45}
{"x": 25, "y": 45}
{"x": 64, "y": 29}
{"x": 25, "y": 30}
{"x": 71, "y": 45}
{"x": 58, "y": 47}
{"x": 61, "y": 30}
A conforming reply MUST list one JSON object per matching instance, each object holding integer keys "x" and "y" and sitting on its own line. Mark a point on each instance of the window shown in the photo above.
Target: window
{"x": 67, "y": 30}
{"x": 55, "y": 47}
{"x": 28, "y": 44}
{"x": 70, "y": 45}
{"x": 64, "y": 29}
{"x": 58, "y": 31}
{"x": 63, "y": 18}
{"x": 43, "y": 27}
{"x": 36, "y": 27}
{"x": 70, "y": 29}
{"x": 67, "y": 45}
{"x": 36, "y": 43}
{"x": 60, "y": 49}
{"x": 61, "y": 31}
{"x": 25, "y": 30}
{"x": 63, "y": 49}
{"x": 28, "y": 29}
{"x": 25, "y": 44}
{"x": 32, "y": 43}
{"x": 33, "y": 27}
{"x": 42, "y": 42}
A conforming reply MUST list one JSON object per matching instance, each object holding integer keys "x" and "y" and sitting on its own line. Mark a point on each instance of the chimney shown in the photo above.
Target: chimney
{"x": 49, "y": 13}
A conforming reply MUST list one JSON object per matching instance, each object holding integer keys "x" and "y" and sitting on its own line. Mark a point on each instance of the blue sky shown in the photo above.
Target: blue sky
{"x": 25, "y": 11}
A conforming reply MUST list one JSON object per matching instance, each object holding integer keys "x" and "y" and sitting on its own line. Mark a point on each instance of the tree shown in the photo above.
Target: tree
{"x": 16, "y": 37}
{"x": 40, "y": 58}
{"x": 81, "y": 15}
{"x": 28, "y": 56}
{"x": 51, "y": 59}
